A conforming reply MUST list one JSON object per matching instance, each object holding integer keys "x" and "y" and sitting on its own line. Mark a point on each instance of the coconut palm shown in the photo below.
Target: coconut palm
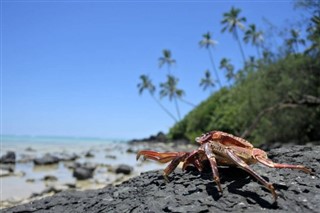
{"x": 208, "y": 43}
{"x": 314, "y": 36}
{"x": 169, "y": 89}
{"x": 256, "y": 37}
{"x": 207, "y": 81}
{"x": 232, "y": 22}
{"x": 226, "y": 65}
{"x": 166, "y": 59}
{"x": 294, "y": 41}
{"x": 146, "y": 84}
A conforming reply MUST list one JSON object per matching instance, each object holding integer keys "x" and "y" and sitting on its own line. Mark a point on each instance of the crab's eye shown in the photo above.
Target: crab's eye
{"x": 198, "y": 139}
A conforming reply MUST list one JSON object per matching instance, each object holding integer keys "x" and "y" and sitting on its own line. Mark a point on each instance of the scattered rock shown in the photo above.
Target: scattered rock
{"x": 89, "y": 154}
{"x": 84, "y": 171}
{"x": 50, "y": 189}
{"x": 7, "y": 167}
{"x": 49, "y": 178}
{"x": 30, "y": 180}
{"x": 124, "y": 169}
{"x": 68, "y": 157}
{"x": 9, "y": 157}
{"x": 70, "y": 185}
{"x": 111, "y": 156}
{"x": 47, "y": 159}
{"x": 30, "y": 149}
{"x": 191, "y": 191}
{"x": 130, "y": 150}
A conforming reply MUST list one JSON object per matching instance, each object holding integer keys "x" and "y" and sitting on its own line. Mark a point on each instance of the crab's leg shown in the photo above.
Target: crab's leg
{"x": 193, "y": 159}
{"x": 162, "y": 157}
{"x": 241, "y": 164}
{"x": 174, "y": 163}
{"x": 213, "y": 163}
{"x": 165, "y": 157}
{"x": 269, "y": 163}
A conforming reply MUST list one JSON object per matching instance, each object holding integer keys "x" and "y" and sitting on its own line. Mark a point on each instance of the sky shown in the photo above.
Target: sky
{"x": 71, "y": 68}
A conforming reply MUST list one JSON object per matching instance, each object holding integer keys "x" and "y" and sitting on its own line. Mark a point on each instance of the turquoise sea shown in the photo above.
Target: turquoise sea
{"x": 16, "y": 142}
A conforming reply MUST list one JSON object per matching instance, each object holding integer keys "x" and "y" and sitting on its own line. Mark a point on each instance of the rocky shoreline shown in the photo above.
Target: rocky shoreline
{"x": 36, "y": 174}
{"x": 191, "y": 191}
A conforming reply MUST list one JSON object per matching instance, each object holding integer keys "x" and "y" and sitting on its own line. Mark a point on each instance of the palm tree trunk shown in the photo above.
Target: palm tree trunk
{"x": 177, "y": 107}
{"x": 258, "y": 51}
{"x": 214, "y": 67}
{"x": 163, "y": 108}
{"x": 240, "y": 46}
{"x": 187, "y": 102}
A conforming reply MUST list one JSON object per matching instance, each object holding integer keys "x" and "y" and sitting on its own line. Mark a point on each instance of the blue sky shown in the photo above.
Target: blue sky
{"x": 71, "y": 68}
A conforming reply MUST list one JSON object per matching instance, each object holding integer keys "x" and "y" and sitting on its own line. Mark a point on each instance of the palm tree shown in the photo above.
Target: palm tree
{"x": 232, "y": 22}
{"x": 166, "y": 59}
{"x": 294, "y": 41}
{"x": 208, "y": 43}
{"x": 169, "y": 88}
{"x": 146, "y": 84}
{"x": 225, "y": 64}
{"x": 314, "y": 36}
{"x": 256, "y": 37}
{"x": 207, "y": 81}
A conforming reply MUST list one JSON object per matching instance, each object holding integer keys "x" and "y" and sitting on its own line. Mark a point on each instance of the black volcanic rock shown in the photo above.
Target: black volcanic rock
{"x": 9, "y": 157}
{"x": 191, "y": 191}
{"x": 124, "y": 169}
{"x": 84, "y": 171}
{"x": 47, "y": 159}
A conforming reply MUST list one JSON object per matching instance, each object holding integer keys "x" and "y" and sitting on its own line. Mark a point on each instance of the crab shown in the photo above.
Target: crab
{"x": 223, "y": 149}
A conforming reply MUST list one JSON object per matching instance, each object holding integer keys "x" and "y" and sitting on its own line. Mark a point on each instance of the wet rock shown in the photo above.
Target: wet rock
{"x": 49, "y": 178}
{"x": 89, "y": 154}
{"x": 84, "y": 171}
{"x": 70, "y": 185}
{"x": 68, "y": 157}
{"x": 9, "y": 157}
{"x": 7, "y": 167}
{"x": 111, "y": 156}
{"x": 54, "y": 189}
{"x": 123, "y": 169}
{"x": 130, "y": 150}
{"x": 30, "y": 180}
{"x": 191, "y": 191}
{"x": 30, "y": 149}
{"x": 47, "y": 159}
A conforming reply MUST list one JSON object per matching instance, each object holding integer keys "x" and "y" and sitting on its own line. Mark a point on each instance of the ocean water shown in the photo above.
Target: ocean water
{"x": 45, "y": 143}
{"x": 20, "y": 186}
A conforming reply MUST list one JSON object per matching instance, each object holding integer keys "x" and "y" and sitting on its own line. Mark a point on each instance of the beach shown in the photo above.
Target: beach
{"x": 111, "y": 162}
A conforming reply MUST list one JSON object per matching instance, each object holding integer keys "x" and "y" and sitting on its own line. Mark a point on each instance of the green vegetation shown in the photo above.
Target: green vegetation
{"x": 274, "y": 97}
{"x": 284, "y": 93}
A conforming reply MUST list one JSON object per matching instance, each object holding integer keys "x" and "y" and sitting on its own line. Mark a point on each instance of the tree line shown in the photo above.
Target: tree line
{"x": 269, "y": 73}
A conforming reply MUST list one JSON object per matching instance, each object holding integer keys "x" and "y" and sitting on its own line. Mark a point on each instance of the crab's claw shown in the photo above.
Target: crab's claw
{"x": 162, "y": 157}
